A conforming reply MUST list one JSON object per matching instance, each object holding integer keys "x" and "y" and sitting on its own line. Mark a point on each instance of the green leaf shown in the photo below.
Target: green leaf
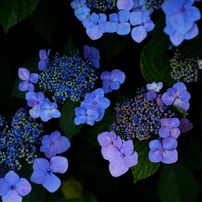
{"x": 12, "y": 12}
{"x": 67, "y": 119}
{"x": 46, "y": 15}
{"x": 156, "y": 70}
{"x": 159, "y": 42}
{"x": 177, "y": 183}
{"x": 32, "y": 66}
{"x": 69, "y": 47}
{"x": 112, "y": 43}
{"x": 144, "y": 168}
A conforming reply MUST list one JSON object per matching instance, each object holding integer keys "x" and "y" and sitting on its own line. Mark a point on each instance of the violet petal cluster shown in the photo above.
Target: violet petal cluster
{"x": 44, "y": 172}
{"x": 112, "y": 80}
{"x": 118, "y": 152}
{"x": 54, "y": 144}
{"x": 43, "y": 55}
{"x": 27, "y": 79}
{"x": 12, "y": 187}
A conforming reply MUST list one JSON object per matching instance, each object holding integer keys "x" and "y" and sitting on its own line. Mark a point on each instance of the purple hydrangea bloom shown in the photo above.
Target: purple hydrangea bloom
{"x": 119, "y": 23}
{"x": 185, "y": 125}
{"x": 12, "y": 187}
{"x": 163, "y": 151}
{"x": 125, "y": 4}
{"x": 54, "y": 144}
{"x": 178, "y": 96}
{"x": 122, "y": 159}
{"x": 108, "y": 140}
{"x": 180, "y": 20}
{"x": 95, "y": 25}
{"x": 155, "y": 86}
{"x": 42, "y": 64}
{"x": 112, "y": 80}
{"x": 92, "y": 55}
{"x": 49, "y": 110}
{"x": 44, "y": 172}
{"x": 169, "y": 128}
{"x": 34, "y": 101}
{"x": 97, "y": 100}
{"x": 143, "y": 24}
{"x": 28, "y": 79}
{"x": 86, "y": 115}
{"x": 81, "y": 11}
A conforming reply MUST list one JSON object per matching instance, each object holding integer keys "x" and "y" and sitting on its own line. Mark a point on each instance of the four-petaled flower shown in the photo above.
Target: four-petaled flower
{"x": 164, "y": 151}
{"x": 54, "y": 144}
{"x": 44, "y": 172}
{"x": 28, "y": 79}
{"x": 12, "y": 187}
{"x": 155, "y": 86}
{"x": 112, "y": 80}
{"x": 42, "y": 64}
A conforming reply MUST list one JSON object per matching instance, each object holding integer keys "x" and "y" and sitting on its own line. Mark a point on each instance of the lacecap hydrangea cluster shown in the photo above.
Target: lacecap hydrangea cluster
{"x": 133, "y": 17}
{"x": 148, "y": 115}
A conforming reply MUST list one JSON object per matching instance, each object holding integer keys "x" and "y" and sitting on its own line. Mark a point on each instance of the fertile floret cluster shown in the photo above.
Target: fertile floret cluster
{"x": 68, "y": 77}
{"x": 156, "y": 4}
{"x": 19, "y": 139}
{"x": 184, "y": 70}
{"x": 101, "y": 6}
{"x": 140, "y": 116}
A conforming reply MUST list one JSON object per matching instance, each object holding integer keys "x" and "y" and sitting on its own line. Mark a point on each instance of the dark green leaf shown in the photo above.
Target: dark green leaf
{"x": 46, "y": 15}
{"x": 159, "y": 42}
{"x": 67, "y": 119}
{"x": 156, "y": 70}
{"x": 111, "y": 44}
{"x": 69, "y": 47}
{"x": 144, "y": 168}
{"x": 12, "y": 12}
{"x": 177, "y": 183}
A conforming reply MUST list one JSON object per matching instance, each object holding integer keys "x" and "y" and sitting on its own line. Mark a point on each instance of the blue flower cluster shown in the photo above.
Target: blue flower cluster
{"x": 133, "y": 16}
{"x": 70, "y": 77}
{"x": 19, "y": 137}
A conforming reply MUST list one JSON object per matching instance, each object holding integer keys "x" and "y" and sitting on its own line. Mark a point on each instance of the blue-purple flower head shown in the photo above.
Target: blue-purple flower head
{"x": 95, "y": 25}
{"x": 43, "y": 55}
{"x": 177, "y": 95}
{"x": 118, "y": 152}
{"x": 27, "y": 79}
{"x": 12, "y": 187}
{"x": 112, "y": 80}
{"x": 44, "y": 172}
{"x": 92, "y": 54}
{"x": 181, "y": 16}
{"x": 163, "y": 150}
{"x": 54, "y": 144}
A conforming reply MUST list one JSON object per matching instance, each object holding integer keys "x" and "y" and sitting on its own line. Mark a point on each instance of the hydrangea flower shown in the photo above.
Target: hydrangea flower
{"x": 143, "y": 24}
{"x": 180, "y": 20}
{"x": 185, "y": 125}
{"x": 95, "y": 25}
{"x": 155, "y": 86}
{"x": 28, "y": 79}
{"x": 112, "y": 80}
{"x": 119, "y": 23}
{"x": 97, "y": 100}
{"x": 34, "y": 101}
{"x": 43, "y": 55}
{"x": 12, "y": 187}
{"x": 92, "y": 54}
{"x": 122, "y": 159}
{"x": 44, "y": 172}
{"x": 54, "y": 144}
{"x": 178, "y": 96}
{"x": 169, "y": 128}
{"x": 86, "y": 115}
{"x": 49, "y": 110}
{"x": 81, "y": 11}
{"x": 163, "y": 151}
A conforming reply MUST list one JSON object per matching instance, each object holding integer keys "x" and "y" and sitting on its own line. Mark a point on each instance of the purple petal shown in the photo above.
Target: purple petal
{"x": 98, "y": 92}
{"x": 23, "y": 74}
{"x": 185, "y": 96}
{"x": 112, "y": 153}
{"x": 118, "y": 75}
{"x": 23, "y": 86}
{"x": 185, "y": 125}
{"x": 105, "y": 75}
{"x": 193, "y": 32}
{"x": 105, "y": 138}
{"x": 115, "y": 85}
{"x": 177, "y": 38}
{"x": 182, "y": 105}
{"x": 151, "y": 95}
{"x": 136, "y": 18}
{"x": 174, "y": 122}
{"x": 169, "y": 143}
{"x": 87, "y": 23}
{"x": 125, "y": 5}
{"x": 164, "y": 132}
{"x": 155, "y": 145}
{"x": 42, "y": 54}
{"x": 124, "y": 16}
{"x": 30, "y": 87}
{"x": 155, "y": 156}
{"x": 4, "y": 187}
{"x": 170, "y": 156}
{"x": 23, "y": 187}
{"x": 113, "y": 17}
{"x": 138, "y": 34}
{"x": 51, "y": 152}
{"x": 30, "y": 96}
{"x": 62, "y": 144}
{"x": 166, "y": 99}
{"x": 34, "y": 77}
{"x": 175, "y": 132}
{"x": 192, "y": 14}
{"x": 54, "y": 136}
{"x": 180, "y": 86}
{"x": 11, "y": 178}
{"x": 123, "y": 29}
{"x": 35, "y": 111}
{"x": 128, "y": 147}
{"x": 58, "y": 164}
{"x": 94, "y": 33}
{"x": 45, "y": 148}
{"x": 94, "y": 17}
{"x": 11, "y": 196}
{"x": 38, "y": 176}
{"x": 52, "y": 183}
{"x": 131, "y": 160}
{"x": 40, "y": 164}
